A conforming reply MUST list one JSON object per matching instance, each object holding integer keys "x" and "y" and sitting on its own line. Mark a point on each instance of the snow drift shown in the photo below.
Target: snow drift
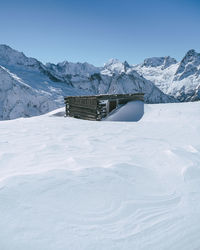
{"x": 73, "y": 184}
{"x": 132, "y": 112}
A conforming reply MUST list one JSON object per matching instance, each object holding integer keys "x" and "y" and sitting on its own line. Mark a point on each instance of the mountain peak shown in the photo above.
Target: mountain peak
{"x": 111, "y": 62}
{"x": 159, "y": 61}
{"x": 188, "y": 65}
{"x": 126, "y": 64}
{"x": 9, "y": 56}
{"x": 68, "y": 68}
{"x": 6, "y": 52}
{"x": 114, "y": 65}
{"x": 5, "y": 46}
{"x": 190, "y": 56}
{"x": 191, "y": 52}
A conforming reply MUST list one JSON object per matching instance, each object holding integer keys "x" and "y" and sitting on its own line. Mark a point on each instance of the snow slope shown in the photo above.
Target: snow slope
{"x": 73, "y": 184}
{"x": 19, "y": 99}
{"x": 27, "y": 88}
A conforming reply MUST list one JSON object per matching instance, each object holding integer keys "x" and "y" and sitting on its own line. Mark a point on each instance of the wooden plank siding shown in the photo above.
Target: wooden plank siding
{"x": 97, "y": 107}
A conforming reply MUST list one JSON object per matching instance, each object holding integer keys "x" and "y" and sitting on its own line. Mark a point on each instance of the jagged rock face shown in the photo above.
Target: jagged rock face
{"x": 180, "y": 80}
{"x": 165, "y": 62}
{"x": 190, "y": 65}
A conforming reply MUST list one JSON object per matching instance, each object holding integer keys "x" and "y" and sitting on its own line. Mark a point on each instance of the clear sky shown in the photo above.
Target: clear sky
{"x": 97, "y": 30}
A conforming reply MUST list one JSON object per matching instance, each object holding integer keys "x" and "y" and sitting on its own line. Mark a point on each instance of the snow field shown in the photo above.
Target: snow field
{"x": 73, "y": 184}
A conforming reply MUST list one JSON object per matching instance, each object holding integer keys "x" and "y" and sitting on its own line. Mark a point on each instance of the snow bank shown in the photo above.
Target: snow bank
{"x": 73, "y": 184}
{"x": 130, "y": 112}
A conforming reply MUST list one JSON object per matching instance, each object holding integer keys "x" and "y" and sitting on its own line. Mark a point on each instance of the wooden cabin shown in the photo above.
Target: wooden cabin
{"x": 97, "y": 107}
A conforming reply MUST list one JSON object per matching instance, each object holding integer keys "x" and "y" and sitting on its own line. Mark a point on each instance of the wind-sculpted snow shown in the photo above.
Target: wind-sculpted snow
{"x": 74, "y": 184}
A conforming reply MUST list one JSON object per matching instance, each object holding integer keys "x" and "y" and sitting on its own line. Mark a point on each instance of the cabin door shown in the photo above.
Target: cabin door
{"x": 112, "y": 105}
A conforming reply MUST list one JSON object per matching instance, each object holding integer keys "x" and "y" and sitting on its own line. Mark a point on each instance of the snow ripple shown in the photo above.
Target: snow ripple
{"x": 73, "y": 184}
{"x": 118, "y": 204}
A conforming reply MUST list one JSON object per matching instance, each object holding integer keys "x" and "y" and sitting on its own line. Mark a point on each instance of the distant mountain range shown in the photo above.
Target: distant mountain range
{"x": 178, "y": 79}
{"x": 28, "y": 87}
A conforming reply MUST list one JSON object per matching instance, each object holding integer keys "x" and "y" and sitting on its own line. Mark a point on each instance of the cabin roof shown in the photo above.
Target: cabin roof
{"x": 107, "y": 96}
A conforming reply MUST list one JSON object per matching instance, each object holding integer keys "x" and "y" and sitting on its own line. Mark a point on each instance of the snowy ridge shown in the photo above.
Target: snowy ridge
{"x": 159, "y": 61}
{"x": 67, "y": 68}
{"x": 9, "y": 56}
{"x": 130, "y": 186}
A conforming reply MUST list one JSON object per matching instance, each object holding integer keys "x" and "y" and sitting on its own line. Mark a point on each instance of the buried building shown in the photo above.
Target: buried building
{"x": 100, "y": 107}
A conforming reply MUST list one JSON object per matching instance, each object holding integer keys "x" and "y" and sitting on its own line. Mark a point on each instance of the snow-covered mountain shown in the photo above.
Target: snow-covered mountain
{"x": 178, "y": 79}
{"x": 164, "y": 62}
{"x": 114, "y": 77}
{"x": 19, "y": 99}
{"x": 117, "y": 77}
{"x": 9, "y": 56}
{"x": 27, "y": 88}
{"x": 66, "y": 69}
{"x": 162, "y": 79}
{"x": 115, "y": 66}
{"x": 48, "y": 84}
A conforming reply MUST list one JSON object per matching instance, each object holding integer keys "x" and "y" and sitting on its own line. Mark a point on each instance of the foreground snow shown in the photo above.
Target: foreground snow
{"x": 73, "y": 184}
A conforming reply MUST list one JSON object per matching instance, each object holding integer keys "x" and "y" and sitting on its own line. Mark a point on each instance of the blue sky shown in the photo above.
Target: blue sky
{"x": 95, "y": 31}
